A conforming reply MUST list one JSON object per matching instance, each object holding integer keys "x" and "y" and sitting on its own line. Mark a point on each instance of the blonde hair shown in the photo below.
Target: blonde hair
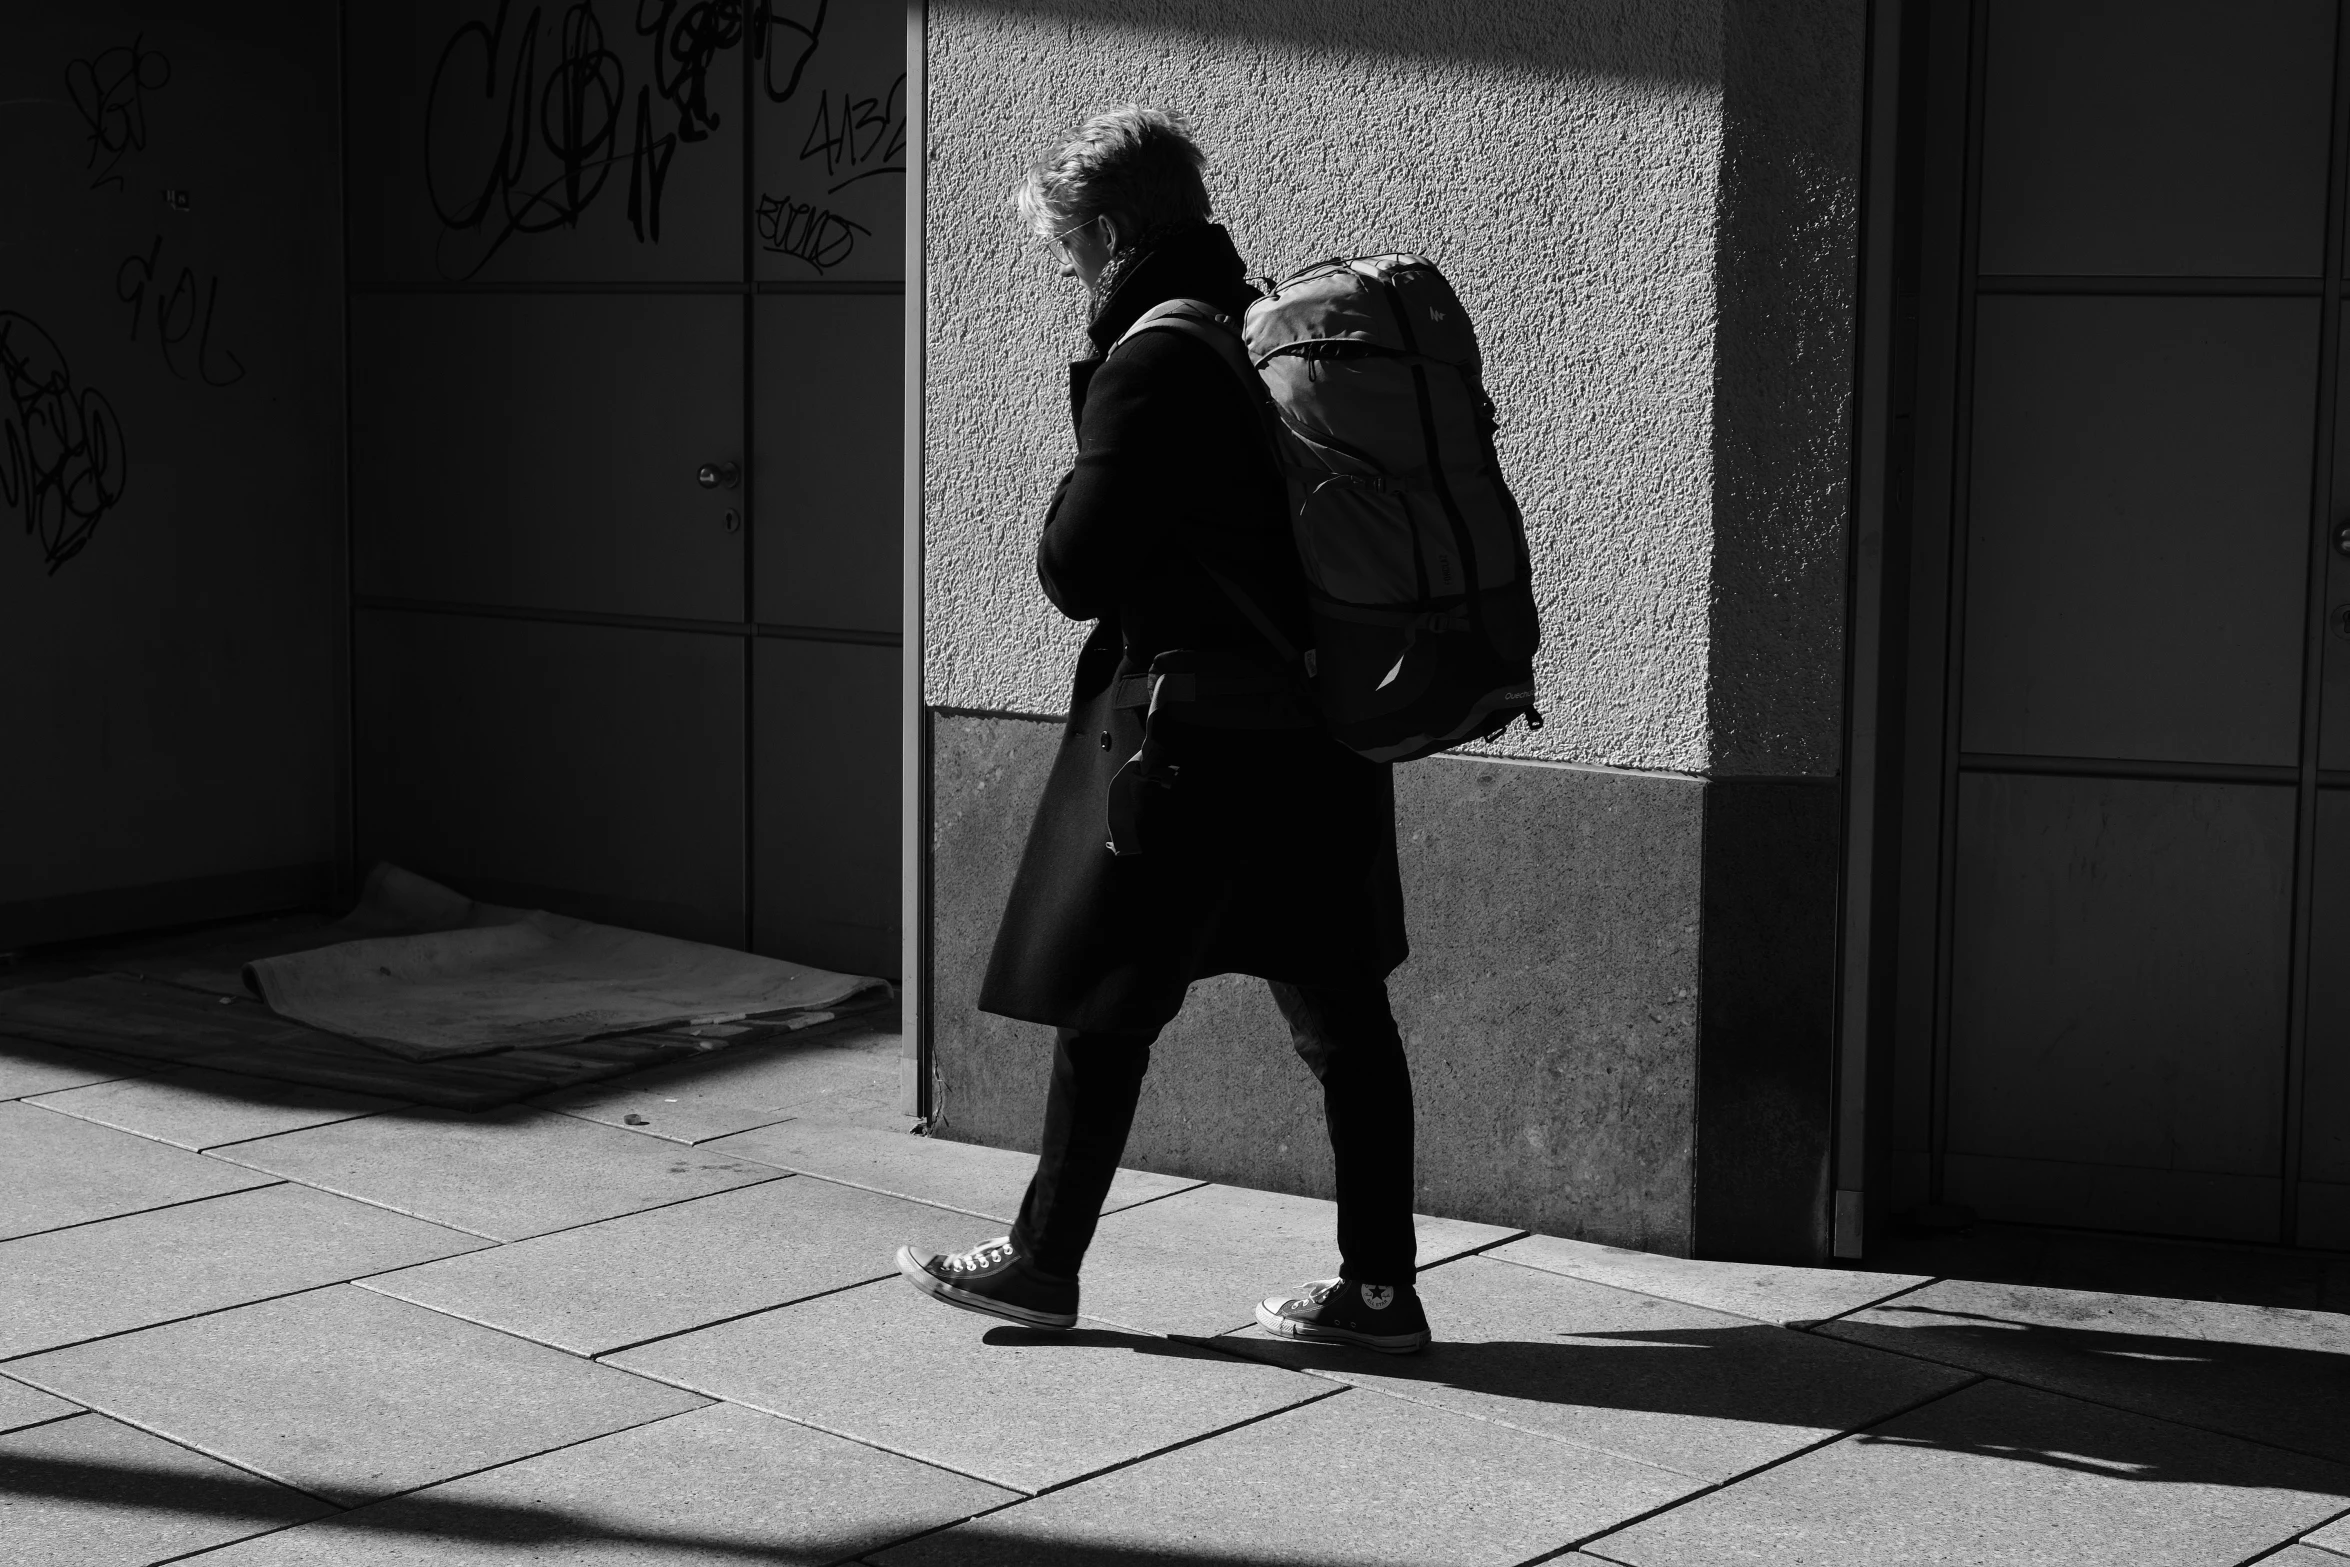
{"x": 1138, "y": 167}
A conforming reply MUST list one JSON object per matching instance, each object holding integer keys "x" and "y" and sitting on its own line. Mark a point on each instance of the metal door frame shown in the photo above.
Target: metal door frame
{"x": 1906, "y": 620}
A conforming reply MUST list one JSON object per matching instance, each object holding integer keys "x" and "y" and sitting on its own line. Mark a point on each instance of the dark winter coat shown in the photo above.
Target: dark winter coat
{"x": 1274, "y": 852}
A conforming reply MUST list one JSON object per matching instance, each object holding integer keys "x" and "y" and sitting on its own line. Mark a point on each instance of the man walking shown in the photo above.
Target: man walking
{"x": 1197, "y": 820}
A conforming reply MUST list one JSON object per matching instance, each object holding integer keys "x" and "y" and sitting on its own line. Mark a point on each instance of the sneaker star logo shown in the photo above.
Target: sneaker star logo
{"x": 1378, "y": 1296}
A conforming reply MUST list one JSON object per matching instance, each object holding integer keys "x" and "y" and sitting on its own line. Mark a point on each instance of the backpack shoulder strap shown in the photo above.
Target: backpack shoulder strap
{"x": 1202, "y": 323}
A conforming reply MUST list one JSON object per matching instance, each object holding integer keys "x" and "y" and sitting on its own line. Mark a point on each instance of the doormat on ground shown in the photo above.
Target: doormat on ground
{"x": 462, "y": 978}
{"x": 171, "y": 1025}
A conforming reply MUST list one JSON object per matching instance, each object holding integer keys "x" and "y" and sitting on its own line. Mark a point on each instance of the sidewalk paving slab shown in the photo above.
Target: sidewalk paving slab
{"x": 197, "y": 1108}
{"x": 1197, "y": 1264}
{"x": 2334, "y": 1537}
{"x": 964, "y": 1176}
{"x": 1789, "y": 1297}
{"x": 146, "y": 1268}
{"x": 718, "y": 1484}
{"x": 28, "y": 1406}
{"x": 56, "y": 1170}
{"x": 645, "y": 1275}
{"x": 1351, "y": 1481}
{"x": 2302, "y": 1556}
{"x": 882, "y": 1364}
{"x": 1997, "y": 1473}
{"x": 348, "y": 1394}
{"x": 2272, "y": 1373}
{"x": 506, "y": 1174}
{"x": 28, "y": 1067}
{"x": 747, "y": 1087}
{"x": 1695, "y": 1391}
{"x": 91, "y": 1492}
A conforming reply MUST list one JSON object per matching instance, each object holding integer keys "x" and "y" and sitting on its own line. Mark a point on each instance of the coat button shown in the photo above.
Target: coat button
{"x": 1105, "y": 739}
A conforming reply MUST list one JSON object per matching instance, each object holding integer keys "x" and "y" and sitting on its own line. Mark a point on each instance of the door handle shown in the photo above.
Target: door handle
{"x": 716, "y": 475}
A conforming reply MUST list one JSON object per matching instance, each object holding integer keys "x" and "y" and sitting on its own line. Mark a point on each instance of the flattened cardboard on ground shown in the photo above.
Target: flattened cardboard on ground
{"x": 719, "y": 1484}
{"x": 1352, "y": 1481}
{"x": 506, "y": 1174}
{"x": 145, "y": 1268}
{"x": 1995, "y": 1473}
{"x": 1697, "y": 1392}
{"x": 56, "y": 1170}
{"x": 92, "y": 1492}
{"x": 623, "y": 1281}
{"x": 885, "y": 1365}
{"x": 348, "y": 1394}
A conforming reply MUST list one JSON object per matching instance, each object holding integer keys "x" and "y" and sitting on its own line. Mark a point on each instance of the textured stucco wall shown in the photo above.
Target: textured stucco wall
{"x": 1785, "y": 272}
{"x": 1560, "y": 160}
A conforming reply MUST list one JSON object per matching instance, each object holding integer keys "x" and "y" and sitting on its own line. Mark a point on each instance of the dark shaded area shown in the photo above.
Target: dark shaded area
{"x": 1620, "y": 38}
{"x": 1766, "y": 1020}
{"x": 1785, "y": 286}
{"x": 2285, "y": 1396}
{"x": 2122, "y": 1265}
{"x": 2293, "y": 1403}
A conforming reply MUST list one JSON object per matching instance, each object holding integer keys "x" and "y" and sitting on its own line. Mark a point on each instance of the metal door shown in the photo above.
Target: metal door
{"x": 625, "y": 414}
{"x": 2129, "y": 844}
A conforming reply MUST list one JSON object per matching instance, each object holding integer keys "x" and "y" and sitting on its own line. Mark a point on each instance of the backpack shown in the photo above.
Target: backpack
{"x": 1417, "y": 574}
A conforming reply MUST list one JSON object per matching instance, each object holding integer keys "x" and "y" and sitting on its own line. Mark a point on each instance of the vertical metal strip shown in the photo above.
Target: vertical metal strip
{"x": 1864, "y": 598}
{"x": 750, "y": 488}
{"x": 346, "y": 741}
{"x": 913, "y": 719}
{"x": 1954, "y": 632}
{"x": 2321, "y": 507}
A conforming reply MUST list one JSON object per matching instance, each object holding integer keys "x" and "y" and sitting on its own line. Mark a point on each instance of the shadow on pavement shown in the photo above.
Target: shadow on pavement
{"x": 2277, "y": 1395}
{"x": 405, "y": 1528}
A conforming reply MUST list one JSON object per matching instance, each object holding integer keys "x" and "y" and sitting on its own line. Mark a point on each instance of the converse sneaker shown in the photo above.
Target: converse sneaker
{"x": 1384, "y": 1317}
{"x": 994, "y": 1279}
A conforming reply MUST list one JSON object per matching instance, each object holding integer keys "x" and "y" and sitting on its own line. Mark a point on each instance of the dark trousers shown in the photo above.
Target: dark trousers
{"x": 1346, "y": 1035}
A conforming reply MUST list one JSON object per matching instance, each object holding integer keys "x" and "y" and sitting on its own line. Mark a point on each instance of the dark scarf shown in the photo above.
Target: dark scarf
{"x": 1178, "y": 261}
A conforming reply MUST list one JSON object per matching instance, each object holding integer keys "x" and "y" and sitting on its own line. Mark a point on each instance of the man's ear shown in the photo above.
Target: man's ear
{"x": 1109, "y": 232}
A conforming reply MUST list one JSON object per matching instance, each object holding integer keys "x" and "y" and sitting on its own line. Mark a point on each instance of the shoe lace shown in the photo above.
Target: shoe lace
{"x": 1320, "y": 1290}
{"x": 981, "y": 1257}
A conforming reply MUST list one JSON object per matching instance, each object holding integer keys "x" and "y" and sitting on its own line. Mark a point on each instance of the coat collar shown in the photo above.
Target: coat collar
{"x": 1192, "y": 263}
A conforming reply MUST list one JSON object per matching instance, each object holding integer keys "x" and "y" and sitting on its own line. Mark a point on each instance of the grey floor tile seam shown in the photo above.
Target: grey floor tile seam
{"x": 176, "y": 1202}
{"x": 165, "y": 1322}
{"x": 674, "y": 1142}
{"x": 236, "y": 1142}
{"x": 1674, "y": 1300}
{"x": 2079, "y": 1397}
{"x": 1474, "y": 1251}
{"x": 621, "y": 1349}
{"x": 1820, "y": 1322}
{"x": 1483, "y": 1419}
{"x": 1001, "y": 1485}
{"x": 500, "y": 1240}
{"x": 927, "y": 1202}
{"x": 74, "y": 1413}
{"x": 1585, "y": 1544}
{"x": 143, "y": 1069}
{"x": 340, "y": 1510}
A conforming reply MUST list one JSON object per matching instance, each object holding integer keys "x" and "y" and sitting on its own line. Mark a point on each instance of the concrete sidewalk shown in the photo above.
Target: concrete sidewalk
{"x": 657, "y": 1322}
